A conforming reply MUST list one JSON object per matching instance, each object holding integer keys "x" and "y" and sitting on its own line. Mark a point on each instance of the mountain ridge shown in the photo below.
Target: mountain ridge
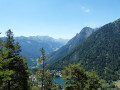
{"x": 31, "y": 46}
{"x": 76, "y": 40}
{"x": 100, "y": 52}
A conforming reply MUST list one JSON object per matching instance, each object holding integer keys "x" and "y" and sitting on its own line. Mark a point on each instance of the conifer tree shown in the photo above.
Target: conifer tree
{"x": 18, "y": 64}
{"x": 42, "y": 75}
{"x": 5, "y": 73}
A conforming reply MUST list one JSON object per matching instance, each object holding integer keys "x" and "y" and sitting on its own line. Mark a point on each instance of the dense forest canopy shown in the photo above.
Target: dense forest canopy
{"x": 100, "y": 52}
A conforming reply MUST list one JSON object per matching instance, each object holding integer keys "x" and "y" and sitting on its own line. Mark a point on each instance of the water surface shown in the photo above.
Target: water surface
{"x": 59, "y": 81}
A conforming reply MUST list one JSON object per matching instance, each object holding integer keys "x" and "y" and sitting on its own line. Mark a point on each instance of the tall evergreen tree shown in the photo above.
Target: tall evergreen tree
{"x": 5, "y": 73}
{"x": 42, "y": 74}
{"x": 42, "y": 58}
{"x": 18, "y": 64}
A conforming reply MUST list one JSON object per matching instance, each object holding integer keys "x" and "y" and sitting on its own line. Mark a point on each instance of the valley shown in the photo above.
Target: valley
{"x": 59, "y": 45}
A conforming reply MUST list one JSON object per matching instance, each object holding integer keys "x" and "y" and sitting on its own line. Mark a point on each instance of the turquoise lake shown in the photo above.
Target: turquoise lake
{"x": 59, "y": 81}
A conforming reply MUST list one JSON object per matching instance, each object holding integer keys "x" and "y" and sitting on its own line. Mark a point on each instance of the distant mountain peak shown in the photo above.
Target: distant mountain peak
{"x": 86, "y": 30}
{"x": 31, "y": 46}
{"x": 75, "y": 41}
{"x": 84, "y": 33}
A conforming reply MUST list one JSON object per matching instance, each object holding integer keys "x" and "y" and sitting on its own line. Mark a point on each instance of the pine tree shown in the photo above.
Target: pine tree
{"x": 18, "y": 64}
{"x": 5, "y": 73}
{"x": 42, "y": 75}
{"x": 42, "y": 58}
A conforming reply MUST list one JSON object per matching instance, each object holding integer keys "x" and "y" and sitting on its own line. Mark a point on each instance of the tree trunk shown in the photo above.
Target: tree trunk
{"x": 8, "y": 85}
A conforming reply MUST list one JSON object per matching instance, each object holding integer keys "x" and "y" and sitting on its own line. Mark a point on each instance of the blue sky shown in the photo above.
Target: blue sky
{"x": 56, "y": 18}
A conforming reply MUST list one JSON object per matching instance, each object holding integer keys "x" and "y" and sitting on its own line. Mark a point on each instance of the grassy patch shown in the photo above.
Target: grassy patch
{"x": 117, "y": 83}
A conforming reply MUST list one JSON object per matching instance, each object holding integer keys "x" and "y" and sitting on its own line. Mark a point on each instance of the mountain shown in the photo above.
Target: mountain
{"x": 75, "y": 41}
{"x": 31, "y": 46}
{"x": 100, "y": 52}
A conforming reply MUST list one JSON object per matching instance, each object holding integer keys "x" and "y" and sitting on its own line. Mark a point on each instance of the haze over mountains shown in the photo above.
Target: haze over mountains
{"x": 54, "y": 48}
{"x": 31, "y": 46}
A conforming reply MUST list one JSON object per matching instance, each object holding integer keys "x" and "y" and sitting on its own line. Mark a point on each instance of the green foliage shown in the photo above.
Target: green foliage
{"x": 47, "y": 79}
{"x": 13, "y": 66}
{"x": 76, "y": 78}
{"x": 100, "y": 52}
{"x": 31, "y": 45}
{"x": 56, "y": 86}
{"x": 109, "y": 86}
{"x": 35, "y": 88}
{"x": 5, "y": 73}
{"x": 44, "y": 77}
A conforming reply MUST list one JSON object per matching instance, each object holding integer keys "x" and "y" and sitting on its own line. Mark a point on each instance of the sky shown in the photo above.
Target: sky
{"x": 55, "y": 18}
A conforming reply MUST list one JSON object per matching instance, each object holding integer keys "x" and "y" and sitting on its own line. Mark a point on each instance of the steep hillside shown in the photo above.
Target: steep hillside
{"x": 75, "y": 41}
{"x": 100, "y": 52}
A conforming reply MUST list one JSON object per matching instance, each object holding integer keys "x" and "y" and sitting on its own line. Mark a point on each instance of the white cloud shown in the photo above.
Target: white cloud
{"x": 87, "y": 10}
